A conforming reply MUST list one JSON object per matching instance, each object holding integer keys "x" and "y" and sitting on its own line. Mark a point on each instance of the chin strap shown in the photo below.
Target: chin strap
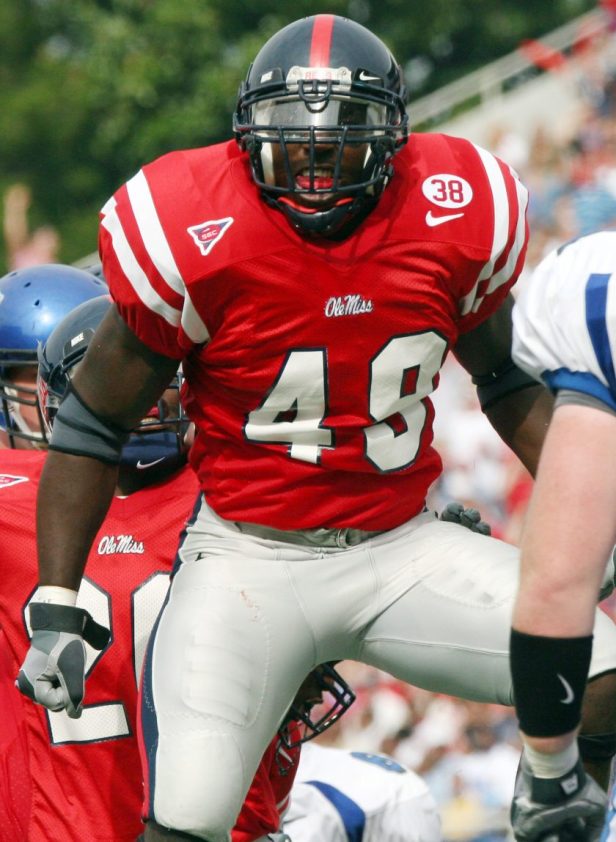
{"x": 328, "y": 223}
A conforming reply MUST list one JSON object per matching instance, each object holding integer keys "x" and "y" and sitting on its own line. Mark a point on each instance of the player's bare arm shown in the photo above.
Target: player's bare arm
{"x": 120, "y": 401}
{"x": 91, "y": 426}
{"x": 518, "y": 407}
{"x": 557, "y": 545}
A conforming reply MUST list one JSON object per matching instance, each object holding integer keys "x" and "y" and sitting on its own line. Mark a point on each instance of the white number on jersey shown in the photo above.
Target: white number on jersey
{"x": 108, "y": 721}
{"x": 299, "y": 393}
{"x": 402, "y": 375}
{"x": 393, "y": 393}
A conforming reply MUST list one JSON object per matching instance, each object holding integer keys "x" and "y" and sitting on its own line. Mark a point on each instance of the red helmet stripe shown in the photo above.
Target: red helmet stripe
{"x": 321, "y": 41}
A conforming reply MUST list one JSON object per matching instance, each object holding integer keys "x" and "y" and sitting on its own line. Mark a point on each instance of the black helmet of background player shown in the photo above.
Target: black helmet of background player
{"x": 32, "y": 302}
{"x": 157, "y": 444}
{"x": 325, "y": 691}
{"x": 321, "y": 114}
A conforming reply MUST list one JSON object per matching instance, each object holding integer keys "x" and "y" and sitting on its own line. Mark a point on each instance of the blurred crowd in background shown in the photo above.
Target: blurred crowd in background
{"x": 467, "y": 752}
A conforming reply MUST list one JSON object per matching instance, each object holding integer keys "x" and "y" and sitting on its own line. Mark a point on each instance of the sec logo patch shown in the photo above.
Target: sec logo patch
{"x": 447, "y": 190}
{"x": 207, "y": 234}
{"x": 11, "y": 479}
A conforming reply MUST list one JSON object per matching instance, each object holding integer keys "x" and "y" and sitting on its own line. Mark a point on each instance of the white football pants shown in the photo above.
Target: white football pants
{"x": 247, "y": 619}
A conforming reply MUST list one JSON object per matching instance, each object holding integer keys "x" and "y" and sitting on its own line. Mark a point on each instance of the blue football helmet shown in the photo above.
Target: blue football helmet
{"x": 32, "y": 302}
{"x": 158, "y": 442}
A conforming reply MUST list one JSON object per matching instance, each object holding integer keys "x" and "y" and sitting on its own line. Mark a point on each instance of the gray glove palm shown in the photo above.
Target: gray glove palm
{"x": 53, "y": 672}
{"x": 567, "y": 809}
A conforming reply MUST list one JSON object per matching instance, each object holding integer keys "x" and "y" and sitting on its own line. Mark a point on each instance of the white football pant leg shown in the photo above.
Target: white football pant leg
{"x": 449, "y": 630}
{"x": 226, "y": 663}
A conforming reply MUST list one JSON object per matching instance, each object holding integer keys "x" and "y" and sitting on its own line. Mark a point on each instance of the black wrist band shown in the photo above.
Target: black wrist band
{"x": 549, "y": 678}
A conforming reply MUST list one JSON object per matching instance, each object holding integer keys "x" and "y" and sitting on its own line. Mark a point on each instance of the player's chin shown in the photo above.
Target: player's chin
{"x": 319, "y": 201}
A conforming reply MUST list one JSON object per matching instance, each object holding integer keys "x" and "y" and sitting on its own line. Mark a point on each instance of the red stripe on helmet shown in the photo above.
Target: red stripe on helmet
{"x": 321, "y": 41}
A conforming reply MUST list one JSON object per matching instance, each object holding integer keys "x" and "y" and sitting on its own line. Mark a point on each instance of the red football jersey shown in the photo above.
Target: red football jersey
{"x": 309, "y": 363}
{"x": 15, "y": 781}
{"x": 85, "y": 772}
{"x": 268, "y": 796}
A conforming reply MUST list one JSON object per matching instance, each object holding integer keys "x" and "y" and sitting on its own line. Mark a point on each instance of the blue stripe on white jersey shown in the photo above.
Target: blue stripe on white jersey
{"x": 579, "y": 381}
{"x": 352, "y": 815}
{"x": 596, "y": 305}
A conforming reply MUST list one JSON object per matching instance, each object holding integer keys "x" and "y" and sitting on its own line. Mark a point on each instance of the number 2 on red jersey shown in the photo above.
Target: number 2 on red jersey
{"x": 109, "y": 720}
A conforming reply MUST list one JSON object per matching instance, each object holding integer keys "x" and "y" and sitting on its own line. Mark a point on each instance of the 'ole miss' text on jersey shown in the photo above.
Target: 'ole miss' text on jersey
{"x": 312, "y": 361}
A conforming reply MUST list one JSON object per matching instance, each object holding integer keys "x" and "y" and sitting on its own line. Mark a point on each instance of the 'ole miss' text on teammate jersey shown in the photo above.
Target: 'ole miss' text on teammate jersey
{"x": 312, "y": 361}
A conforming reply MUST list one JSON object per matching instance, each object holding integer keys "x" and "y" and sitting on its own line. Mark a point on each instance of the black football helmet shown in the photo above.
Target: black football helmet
{"x": 299, "y": 726}
{"x": 157, "y": 442}
{"x": 322, "y": 82}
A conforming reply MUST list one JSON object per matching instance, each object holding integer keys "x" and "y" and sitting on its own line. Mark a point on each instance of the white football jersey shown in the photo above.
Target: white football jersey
{"x": 564, "y": 319}
{"x": 348, "y": 796}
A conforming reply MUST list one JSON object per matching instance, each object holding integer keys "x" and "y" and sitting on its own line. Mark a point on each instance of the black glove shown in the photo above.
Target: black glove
{"x": 53, "y": 672}
{"x": 470, "y": 518}
{"x": 566, "y": 809}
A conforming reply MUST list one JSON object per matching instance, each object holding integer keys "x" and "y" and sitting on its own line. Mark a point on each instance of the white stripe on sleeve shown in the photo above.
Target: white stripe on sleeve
{"x": 506, "y": 271}
{"x": 131, "y": 268}
{"x": 501, "y": 208}
{"x": 152, "y": 232}
{"x": 157, "y": 246}
{"x": 192, "y": 323}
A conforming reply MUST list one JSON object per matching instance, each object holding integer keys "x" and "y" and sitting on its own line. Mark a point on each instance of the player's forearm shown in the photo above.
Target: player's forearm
{"x": 521, "y": 419}
{"x": 74, "y": 495}
{"x": 553, "y": 607}
{"x": 569, "y": 531}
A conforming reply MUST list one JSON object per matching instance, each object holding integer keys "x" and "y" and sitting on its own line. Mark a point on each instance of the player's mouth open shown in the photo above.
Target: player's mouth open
{"x": 323, "y": 179}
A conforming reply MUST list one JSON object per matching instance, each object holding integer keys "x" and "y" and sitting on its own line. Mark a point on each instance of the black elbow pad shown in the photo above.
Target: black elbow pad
{"x": 79, "y": 431}
{"x": 504, "y": 380}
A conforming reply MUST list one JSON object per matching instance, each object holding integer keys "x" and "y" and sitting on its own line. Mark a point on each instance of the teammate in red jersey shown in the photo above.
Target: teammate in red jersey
{"x": 312, "y": 278}
{"x": 15, "y": 780}
{"x": 84, "y": 774}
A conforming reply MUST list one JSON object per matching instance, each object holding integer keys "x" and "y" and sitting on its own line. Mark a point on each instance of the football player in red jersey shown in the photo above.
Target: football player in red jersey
{"x": 32, "y": 303}
{"x": 312, "y": 278}
{"x": 83, "y": 776}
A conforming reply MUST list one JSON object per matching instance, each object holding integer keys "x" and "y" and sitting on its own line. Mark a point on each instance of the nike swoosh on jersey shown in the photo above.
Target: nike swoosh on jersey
{"x": 568, "y": 690}
{"x": 432, "y": 220}
{"x": 141, "y": 465}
